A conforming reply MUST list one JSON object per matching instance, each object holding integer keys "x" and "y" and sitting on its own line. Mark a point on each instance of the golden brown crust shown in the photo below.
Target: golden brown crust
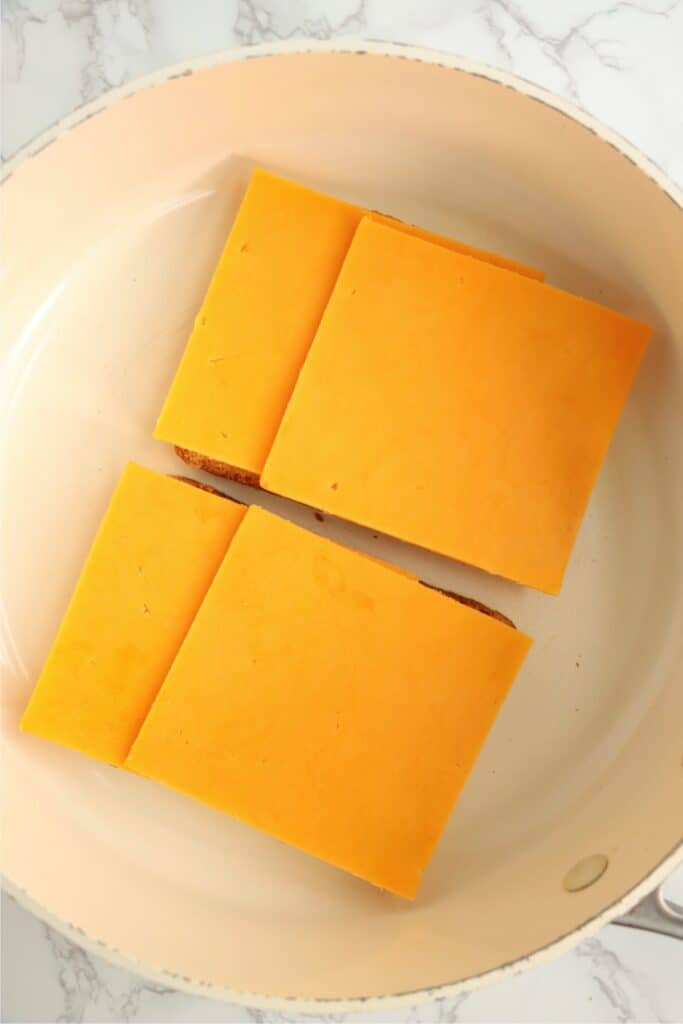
{"x": 205, "y": 487}
{"x": 471, "y": 602}
{"x": 240, "y": 476}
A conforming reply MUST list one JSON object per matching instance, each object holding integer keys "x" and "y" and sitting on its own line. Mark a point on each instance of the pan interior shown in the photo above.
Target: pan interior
{"x": 131, "y": 210}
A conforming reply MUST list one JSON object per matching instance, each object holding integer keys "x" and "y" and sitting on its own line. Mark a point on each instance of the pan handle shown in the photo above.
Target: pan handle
{"x": 655, "y": 913}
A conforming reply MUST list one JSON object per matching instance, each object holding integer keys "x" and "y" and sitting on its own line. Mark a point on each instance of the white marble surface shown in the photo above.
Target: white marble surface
{"x": 620, "y": 59}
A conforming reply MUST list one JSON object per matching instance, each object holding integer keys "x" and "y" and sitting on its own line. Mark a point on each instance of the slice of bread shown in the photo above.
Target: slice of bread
{"x": 240, "y": 476}
{"x": 471, "y": 602}
{"x": 205, "y": 487}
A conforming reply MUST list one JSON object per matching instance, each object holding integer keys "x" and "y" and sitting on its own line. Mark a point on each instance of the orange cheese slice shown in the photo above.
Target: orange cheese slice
{"x": 258, "y": 319}
{"x": 456, "y": 405}
{"x": 328, "y": 701}
{"x": 148, "y": 570}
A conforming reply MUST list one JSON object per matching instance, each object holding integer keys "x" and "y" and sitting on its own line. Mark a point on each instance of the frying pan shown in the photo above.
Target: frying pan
{"x": 113, "y": 222}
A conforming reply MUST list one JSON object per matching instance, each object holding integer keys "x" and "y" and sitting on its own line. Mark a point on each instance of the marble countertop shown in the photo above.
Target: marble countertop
{"x": 618, "y": 59}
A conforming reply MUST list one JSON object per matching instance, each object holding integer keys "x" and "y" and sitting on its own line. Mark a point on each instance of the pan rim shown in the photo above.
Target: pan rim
{"x": 350, "y": 1004}
{"x": 357, "y": 47}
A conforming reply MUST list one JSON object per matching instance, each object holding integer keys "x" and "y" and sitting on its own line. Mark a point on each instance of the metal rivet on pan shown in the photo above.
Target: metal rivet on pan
{"x": 585, "y": 872}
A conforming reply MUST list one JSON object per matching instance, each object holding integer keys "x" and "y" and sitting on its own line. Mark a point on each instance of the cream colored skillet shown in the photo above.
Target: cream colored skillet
{"x": 113, "y": 222}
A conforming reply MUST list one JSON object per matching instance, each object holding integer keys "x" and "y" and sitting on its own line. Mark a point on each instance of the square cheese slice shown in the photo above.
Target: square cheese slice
{"x": 456, "y": 405}
{"x": 329, "y": 701}
{"x": 257, "y": 322}
{"x": 154, "y": 556}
